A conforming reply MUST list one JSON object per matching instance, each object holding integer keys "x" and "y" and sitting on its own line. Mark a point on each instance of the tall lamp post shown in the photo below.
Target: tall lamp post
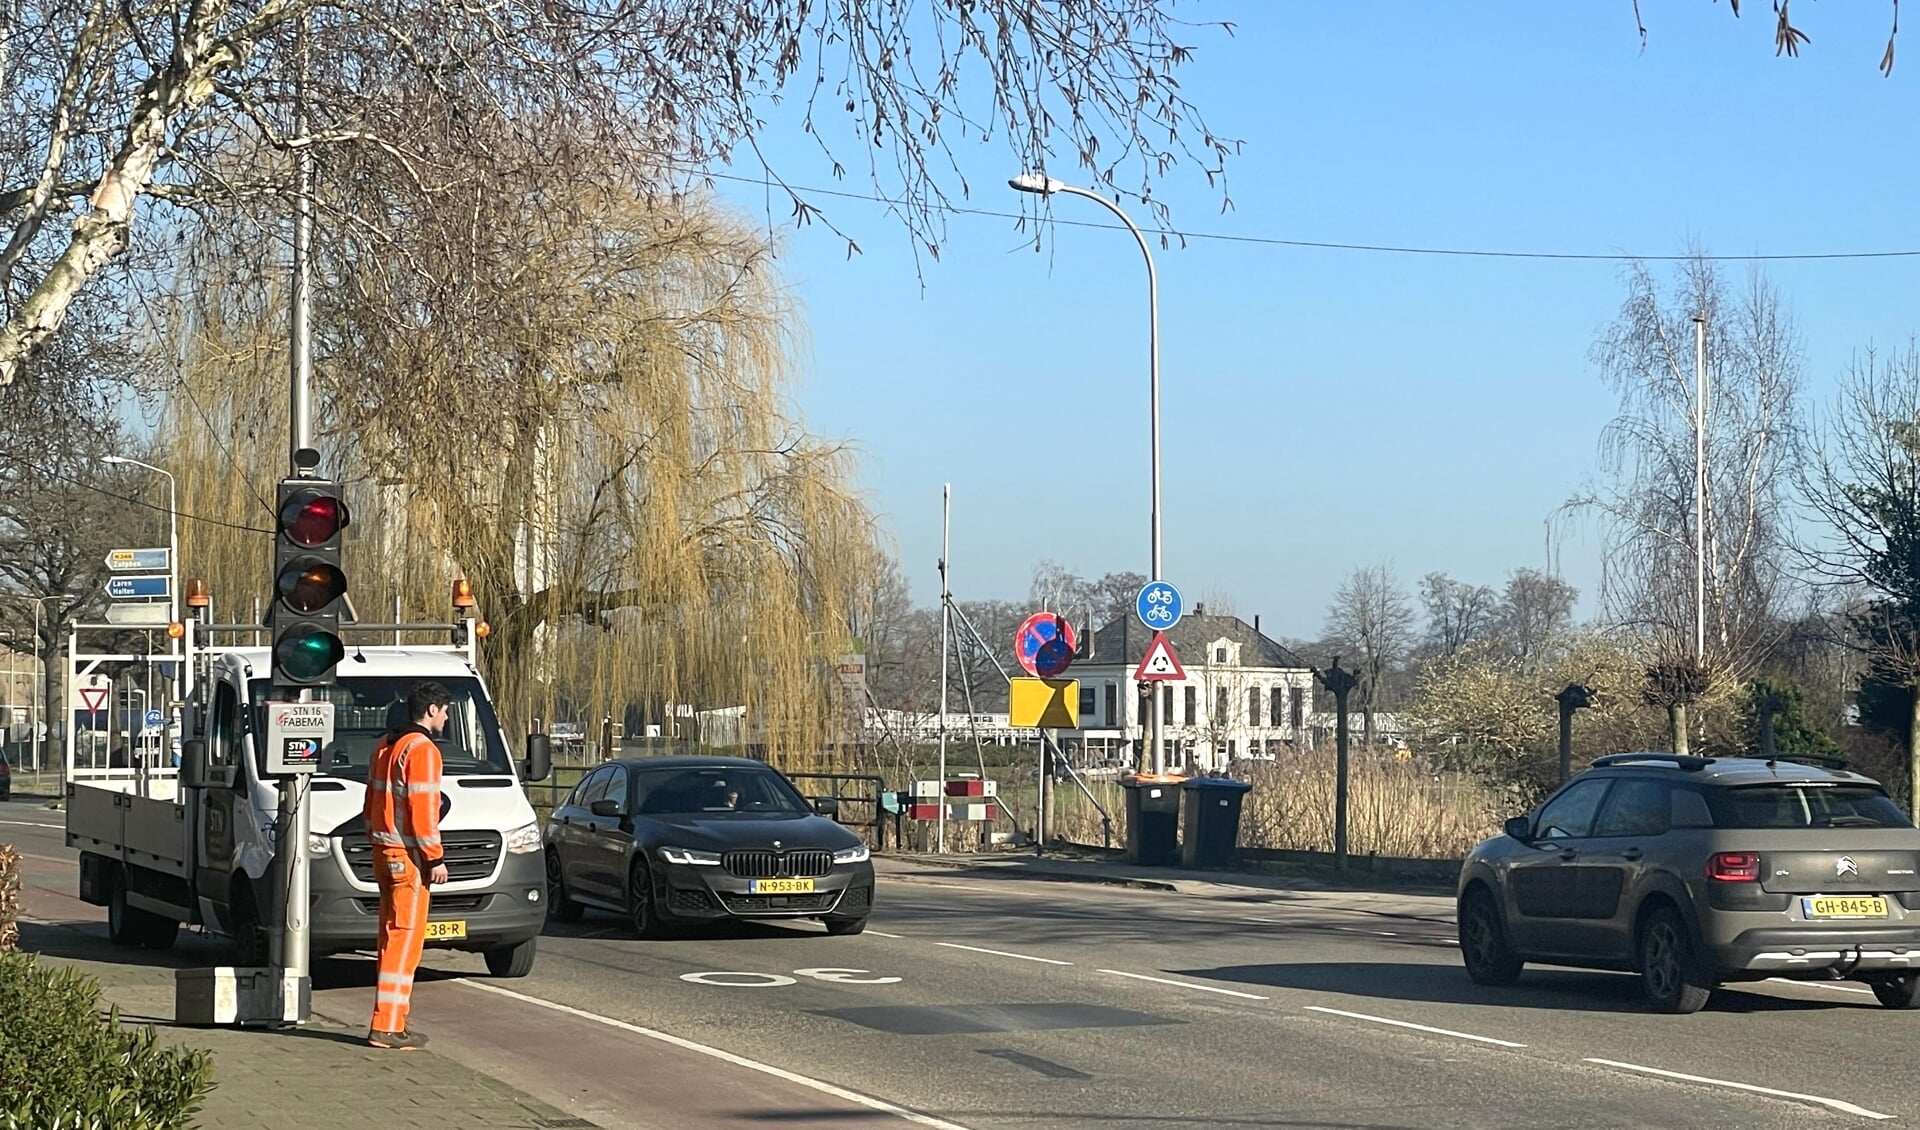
{"x": 1042, "y": 185}
{"x": 173, "y": 532}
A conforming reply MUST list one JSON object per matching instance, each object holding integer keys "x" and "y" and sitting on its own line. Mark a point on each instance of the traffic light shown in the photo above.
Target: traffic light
{"x": 308, "y": 583}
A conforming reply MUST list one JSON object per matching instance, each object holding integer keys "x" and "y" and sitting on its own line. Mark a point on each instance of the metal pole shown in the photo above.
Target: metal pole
{"x": 39, "y": 685}
{"x": 1157, "y": 740}
{"x": 293, "y": 818}
{"x": 946, "y": 623}
{"x": 1700, "y": 492}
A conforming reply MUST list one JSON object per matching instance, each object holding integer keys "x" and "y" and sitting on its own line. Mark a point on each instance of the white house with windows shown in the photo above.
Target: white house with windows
{"x": 1245, "y": 696}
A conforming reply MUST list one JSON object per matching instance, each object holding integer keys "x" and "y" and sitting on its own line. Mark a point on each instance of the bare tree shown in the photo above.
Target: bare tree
{"x": 1647, "y": 501}
{"x": 1457, "y": 613}
{"x": 1861, "y": 476}
{"x": 1535, "y": 615}
{"x": 1099, "y": 601}
{"x": 123, "y": 123}
{"x": 1372, "y": 616}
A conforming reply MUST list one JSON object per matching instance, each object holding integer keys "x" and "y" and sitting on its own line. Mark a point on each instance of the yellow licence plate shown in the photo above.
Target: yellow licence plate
{"x": 781, "y": 887}
{"x": 1848, "y": 906}
{"x": 441, "y": 931}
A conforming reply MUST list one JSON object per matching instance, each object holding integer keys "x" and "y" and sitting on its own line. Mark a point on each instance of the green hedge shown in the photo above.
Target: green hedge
{"x": 9, "y": 897}
{"x": 65, "y": 1067}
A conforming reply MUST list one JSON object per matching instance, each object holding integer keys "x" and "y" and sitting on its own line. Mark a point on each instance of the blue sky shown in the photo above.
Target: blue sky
{"x": 1322, "y": 409}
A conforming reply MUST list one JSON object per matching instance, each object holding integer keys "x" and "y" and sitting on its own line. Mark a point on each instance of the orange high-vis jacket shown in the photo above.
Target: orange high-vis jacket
{"x": 403, "y": 795}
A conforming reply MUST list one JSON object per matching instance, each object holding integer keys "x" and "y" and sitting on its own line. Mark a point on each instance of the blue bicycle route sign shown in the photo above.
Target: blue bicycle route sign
{"x": 1159, "y": 605}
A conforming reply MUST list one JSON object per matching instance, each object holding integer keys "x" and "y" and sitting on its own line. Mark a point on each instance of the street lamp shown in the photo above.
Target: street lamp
{"x": 1043, "y": 185}
{"x": 173, "y": 533}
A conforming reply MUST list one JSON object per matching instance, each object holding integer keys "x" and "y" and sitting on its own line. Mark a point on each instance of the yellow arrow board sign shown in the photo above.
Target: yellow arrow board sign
{"x": 1044, "y": 704}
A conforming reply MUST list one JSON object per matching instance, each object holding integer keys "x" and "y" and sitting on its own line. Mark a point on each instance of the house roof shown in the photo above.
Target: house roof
{"x": 1124, "y": 641}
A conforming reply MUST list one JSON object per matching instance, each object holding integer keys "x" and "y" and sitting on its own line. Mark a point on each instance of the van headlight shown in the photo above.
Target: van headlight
{"x": 687, "y": 857}
{"x": 858, "y": 853}
{"x": 318, "y": 844}
{"x": 524, "y": 839}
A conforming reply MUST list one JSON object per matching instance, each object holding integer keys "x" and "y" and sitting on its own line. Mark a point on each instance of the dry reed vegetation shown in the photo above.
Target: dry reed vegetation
{"x": 576, "y": 398}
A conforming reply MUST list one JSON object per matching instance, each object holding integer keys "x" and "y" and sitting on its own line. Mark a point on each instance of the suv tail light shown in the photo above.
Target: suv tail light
{"x": 1734, "y": 866}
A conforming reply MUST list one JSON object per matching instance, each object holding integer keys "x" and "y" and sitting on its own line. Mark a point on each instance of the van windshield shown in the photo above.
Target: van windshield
{"x": 1805, "y": 806}
{"x": 365, "y": 707}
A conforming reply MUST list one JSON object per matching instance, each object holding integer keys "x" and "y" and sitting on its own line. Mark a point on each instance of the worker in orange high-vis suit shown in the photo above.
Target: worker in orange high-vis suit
{"x": 403, "y": 823}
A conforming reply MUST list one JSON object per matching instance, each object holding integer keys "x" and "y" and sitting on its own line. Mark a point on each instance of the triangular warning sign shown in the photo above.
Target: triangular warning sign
{"x": 1159, "y": 663}
{"x": 94, "y": 697}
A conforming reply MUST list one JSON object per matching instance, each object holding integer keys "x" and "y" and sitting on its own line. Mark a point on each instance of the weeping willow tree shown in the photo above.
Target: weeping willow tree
{"x": 574, "y": 396}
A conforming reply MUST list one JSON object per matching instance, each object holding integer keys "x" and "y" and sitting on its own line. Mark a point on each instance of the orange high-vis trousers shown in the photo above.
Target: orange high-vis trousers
{"x": 403, "y": 933}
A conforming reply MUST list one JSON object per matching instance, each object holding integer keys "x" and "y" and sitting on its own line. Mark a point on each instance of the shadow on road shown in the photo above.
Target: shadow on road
{"x": 1555, "y": 989}
{"x": 87, "y": 941}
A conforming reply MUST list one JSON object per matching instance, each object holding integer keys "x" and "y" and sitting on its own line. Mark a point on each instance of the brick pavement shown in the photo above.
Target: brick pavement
{"x": 321, "y": 1075}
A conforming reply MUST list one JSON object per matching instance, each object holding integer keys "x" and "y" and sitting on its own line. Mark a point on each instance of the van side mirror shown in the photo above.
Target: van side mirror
{"x": 539, "y": 763}
{"x": 1520, "y": 828}
{"x": 826, "y": 806}
{"x": 195, "y": 773}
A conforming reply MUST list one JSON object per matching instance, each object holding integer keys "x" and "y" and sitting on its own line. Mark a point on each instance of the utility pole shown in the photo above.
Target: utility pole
{"x": 946, "y": 624}
{"x": 1700, "y": 492}
{"x": 1341, "y": 684}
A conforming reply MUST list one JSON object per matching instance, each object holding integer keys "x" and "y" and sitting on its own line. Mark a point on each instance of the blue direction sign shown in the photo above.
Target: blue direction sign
{"x": 153, "y": 720}
{"x": 138, "y": 588}
{"x": 1159, "y": 605}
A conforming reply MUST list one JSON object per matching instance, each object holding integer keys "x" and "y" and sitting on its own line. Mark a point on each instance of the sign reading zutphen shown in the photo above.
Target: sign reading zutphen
{"x": 297, "y": 735}
{"x": 1159, "y": 605}
{"x": 130, "y": 560}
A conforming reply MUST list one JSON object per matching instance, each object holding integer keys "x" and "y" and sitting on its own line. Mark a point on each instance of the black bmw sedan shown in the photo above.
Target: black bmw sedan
{"x": 666, "y": 840}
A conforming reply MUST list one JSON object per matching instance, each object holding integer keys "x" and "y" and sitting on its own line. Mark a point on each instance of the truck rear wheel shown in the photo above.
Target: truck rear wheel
{"x": 511, "y": 961}
{"x": 128, "y": 925}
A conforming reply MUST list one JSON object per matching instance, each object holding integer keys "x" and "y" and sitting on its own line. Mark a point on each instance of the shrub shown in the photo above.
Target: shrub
{"x": 9, "y": 897}
{"x": 63, "y": 1066}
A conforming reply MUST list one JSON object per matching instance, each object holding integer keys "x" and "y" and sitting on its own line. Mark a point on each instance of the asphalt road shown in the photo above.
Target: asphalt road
{"x": 984, "y": 1002}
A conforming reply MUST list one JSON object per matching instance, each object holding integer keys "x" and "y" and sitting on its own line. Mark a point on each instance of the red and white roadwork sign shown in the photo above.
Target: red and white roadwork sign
{"x": 1159, "y": 664}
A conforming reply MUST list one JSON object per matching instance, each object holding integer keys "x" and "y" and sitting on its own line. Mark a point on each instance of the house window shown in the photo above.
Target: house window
{"x": 1232, "y": 749}
{"x": 1166, "y": 703}
{"x": 1086, "y": 705}
{"x": 1297, "y": 709}
{"x": 1113, "y": 702}
{"x": 1253, "y": 706}
{"x": 1193, "y": 706}
{"x": 1220, "y": 707}
{"x": 1277, "y": 709}
{"x": 1219, "y": 655}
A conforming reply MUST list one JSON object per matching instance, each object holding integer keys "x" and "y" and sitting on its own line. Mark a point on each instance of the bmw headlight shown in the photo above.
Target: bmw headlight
{"x": 858, "y": 853}
{"x": 318, "y": 844}
{"x": 689, "y": 857}
{"x": 524, "y": 839}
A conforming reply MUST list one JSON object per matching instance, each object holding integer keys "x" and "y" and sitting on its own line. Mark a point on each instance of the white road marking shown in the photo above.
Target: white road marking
{"x": 764, "y": 980}
{"x": 1185, "y": 985}
{"x": 846, "y": 976}
{"x": 1003, "y": 953}
{"x": 32, "y": 824}
{"x": 879, "y": 934}
{"x": 1819, "y": 985}
{"x": 824, "y": 1088}
{"x": 1832, "y": 1104}
{"x": 1415, "y": 1027}
{"x": 1376, "y": 933}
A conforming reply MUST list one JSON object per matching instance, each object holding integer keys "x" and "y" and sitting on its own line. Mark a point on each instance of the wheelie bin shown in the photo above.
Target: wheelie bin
{"x": 1212, "y": 816}
{"x": 1153, "y": 819}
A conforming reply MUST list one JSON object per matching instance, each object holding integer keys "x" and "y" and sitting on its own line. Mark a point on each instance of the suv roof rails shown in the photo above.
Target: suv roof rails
{"x": 1681, "y": 761}
{"x": 1818, "y": 760}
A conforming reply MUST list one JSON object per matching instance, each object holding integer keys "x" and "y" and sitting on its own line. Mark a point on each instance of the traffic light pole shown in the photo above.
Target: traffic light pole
{"x": 294, "y": 818}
